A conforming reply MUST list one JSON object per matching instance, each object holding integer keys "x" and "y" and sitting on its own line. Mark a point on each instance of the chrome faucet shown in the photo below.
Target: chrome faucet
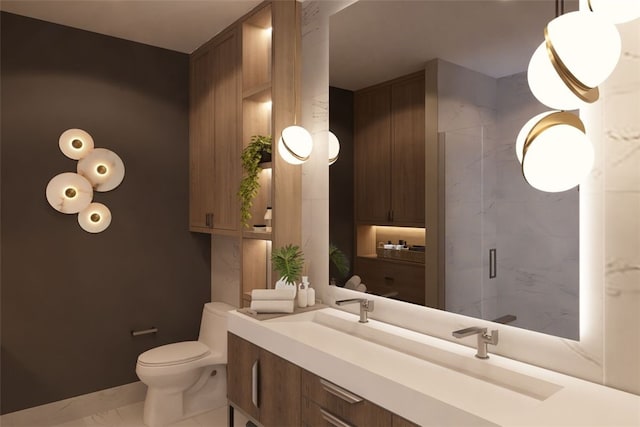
{"x": 366, "y": 305}
{"x": 483, "y": 339}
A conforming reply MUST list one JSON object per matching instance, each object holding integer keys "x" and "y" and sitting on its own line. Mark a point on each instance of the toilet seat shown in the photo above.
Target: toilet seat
{"x": 174, "y": 354}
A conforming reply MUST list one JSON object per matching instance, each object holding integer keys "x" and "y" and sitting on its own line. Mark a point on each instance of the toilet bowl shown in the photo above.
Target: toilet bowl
{"x": 190, "y": 377}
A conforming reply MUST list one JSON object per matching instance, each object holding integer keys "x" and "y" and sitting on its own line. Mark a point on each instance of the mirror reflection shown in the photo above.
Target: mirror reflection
{"x": 427, "y": 200}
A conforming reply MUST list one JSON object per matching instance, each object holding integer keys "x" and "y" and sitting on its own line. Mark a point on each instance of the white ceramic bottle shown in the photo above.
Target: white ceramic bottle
{"x": 311, "y": 293}
{"x": 302, "y": 295}
{"x": 311, "y": 296}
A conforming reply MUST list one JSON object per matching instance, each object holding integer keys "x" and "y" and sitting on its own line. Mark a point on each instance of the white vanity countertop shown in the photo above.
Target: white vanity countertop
{"x": 427, "y": 393}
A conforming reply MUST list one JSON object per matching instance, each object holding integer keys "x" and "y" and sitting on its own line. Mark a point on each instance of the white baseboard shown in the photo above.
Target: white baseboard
{"x": 76, "y": 407}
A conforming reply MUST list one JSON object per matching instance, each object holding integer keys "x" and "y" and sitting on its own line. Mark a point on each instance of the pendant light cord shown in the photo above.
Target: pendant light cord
{"x": 559, "y": 7}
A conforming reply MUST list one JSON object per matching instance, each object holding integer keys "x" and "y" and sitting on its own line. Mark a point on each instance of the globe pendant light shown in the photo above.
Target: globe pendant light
{"x": 69, "y": 193}
{"x": 554, "y": 151}
{"x": 579, "y": 52}
{"x": 295, "y": 145}
{"x": 334, "y": 148}
{"x": 615, "y": 11}
{"x": 95, "y": 218}
{"x": 75, "y": 143}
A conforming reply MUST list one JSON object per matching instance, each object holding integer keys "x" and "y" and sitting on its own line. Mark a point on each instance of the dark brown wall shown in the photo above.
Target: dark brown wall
{"x": 341, "y": 220}
{"x": 70, "y": 298}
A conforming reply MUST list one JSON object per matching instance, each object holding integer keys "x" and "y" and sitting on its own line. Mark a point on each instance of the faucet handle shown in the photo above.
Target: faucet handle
{"x": 491, "y": 339}
{"x": 368, "y": 304}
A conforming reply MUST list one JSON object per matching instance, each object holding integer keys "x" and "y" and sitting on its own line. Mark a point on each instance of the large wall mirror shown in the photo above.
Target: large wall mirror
{"x": 506, "y": 251}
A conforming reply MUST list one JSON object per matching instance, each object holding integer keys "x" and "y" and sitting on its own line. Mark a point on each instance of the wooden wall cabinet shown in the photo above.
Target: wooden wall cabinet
{"x": 263, "y": 385}
{"x": 390, "y": 152}
{"x": 214, "y": 135}
{"x": 243, "y": 83}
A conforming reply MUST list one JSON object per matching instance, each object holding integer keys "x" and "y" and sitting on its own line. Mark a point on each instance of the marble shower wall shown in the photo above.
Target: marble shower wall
{"x": 489, "y": 205}
{"x": 466, "y": 117}
{"x": 538, "y": 232}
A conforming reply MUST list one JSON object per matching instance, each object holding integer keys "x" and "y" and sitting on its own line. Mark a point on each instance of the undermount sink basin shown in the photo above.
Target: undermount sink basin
{"x": 412, "y": 344}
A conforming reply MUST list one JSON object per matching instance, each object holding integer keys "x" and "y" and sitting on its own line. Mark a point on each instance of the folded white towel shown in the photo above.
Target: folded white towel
{"x": 273, "y": 294}
{"x": 361, "y": 288}
{"x": 353, "y": 282}
{"x": 272, "y": 306}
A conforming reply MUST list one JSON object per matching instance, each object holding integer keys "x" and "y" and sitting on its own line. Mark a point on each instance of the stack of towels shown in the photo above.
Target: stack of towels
{"x": 356, "y": 284}
{"x": 273, "y": 300}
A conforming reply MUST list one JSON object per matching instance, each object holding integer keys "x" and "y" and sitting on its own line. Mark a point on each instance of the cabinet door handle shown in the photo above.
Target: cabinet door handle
{"x": 207, "y": 220}
{"x": 254, "y": 383}
{"x": 343, "y": 394}
{"x": 333, "y": 420}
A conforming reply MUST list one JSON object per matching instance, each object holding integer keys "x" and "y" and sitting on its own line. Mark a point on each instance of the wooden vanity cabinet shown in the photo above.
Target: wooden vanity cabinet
{"x": 325, "y": 403}
{"x": 389, "y": 152}
{"x": 275, "y": 392}
{"x": 214, "y": 134}
{"x": 263, "y": 385}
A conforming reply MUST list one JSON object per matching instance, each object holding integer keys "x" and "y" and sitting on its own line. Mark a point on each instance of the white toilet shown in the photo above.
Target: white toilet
{"x": 189, "y": 377}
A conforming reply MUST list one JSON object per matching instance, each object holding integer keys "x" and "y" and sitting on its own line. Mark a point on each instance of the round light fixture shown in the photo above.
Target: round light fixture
{"x": 616, "y": 11}
{"x": 555, "y": 153}
{"x": 334, "y": 148}
{"x": 94, "y": 218}
{"x": 295, "y": 145}
{"x": 103, "y": 168}
{"x": 580, "y": 51}
{"x": 69, "y": 193}
{"x": 75, "y": 143}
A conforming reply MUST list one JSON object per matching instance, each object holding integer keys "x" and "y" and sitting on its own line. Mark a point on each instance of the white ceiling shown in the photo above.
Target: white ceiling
{"x": 180, "y": 25}
{"x": 372, "y": 41}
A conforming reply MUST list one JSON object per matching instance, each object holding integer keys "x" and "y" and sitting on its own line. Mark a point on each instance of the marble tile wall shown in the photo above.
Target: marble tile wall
{"x": 225, "y": 269}
{"x": 619, "y": 110}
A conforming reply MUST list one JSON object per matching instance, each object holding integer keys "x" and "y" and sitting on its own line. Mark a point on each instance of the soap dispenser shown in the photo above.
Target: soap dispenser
{"x": 311, "y": 293}
{"x": 302, "y": 293}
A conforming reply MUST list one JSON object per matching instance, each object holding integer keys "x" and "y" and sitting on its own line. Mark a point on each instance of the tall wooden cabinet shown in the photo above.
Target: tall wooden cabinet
{"x": 215, "y": 135}
{"x": 390, "y": 152}
{"x": 243, "y": 83}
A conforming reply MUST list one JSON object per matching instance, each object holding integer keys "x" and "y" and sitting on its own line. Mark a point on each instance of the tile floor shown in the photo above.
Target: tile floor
{"x": 131, "y": 416}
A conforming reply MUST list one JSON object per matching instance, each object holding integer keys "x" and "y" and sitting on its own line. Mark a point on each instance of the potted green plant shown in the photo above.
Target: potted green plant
{"x": 338, "y": 259}
{"x": 252, "y": 155}
{"x": 288, "y": 261}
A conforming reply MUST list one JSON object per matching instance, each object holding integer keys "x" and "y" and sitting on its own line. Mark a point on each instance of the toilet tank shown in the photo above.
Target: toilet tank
{"x": 213, "y": 327}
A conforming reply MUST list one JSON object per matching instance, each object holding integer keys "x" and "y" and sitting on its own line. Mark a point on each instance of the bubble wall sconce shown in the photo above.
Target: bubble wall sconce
{"x": 98, "y": 169}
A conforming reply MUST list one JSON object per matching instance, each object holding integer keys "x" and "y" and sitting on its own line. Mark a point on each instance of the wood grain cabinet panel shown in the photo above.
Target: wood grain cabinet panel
{"x": 263, "y": 385}
{"x": 396, "y": 279}
{"x": 407, "y": 158}
{"x": 241, "y": 358}
{"x": 389, "y": 152}
{"x": 322, "y": 395}
{"x": 372, "y": 151}
{"x": 214, "y": 128}
{"x": 398, "y": 421}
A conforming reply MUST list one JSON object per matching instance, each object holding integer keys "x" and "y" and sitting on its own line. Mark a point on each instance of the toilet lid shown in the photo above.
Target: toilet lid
{"x": 172, "y": 354}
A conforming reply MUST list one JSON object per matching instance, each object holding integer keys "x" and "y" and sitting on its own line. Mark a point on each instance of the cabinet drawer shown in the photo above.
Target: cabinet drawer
{"x": 401, "y": 281}
{"x": 319, "y": 394}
